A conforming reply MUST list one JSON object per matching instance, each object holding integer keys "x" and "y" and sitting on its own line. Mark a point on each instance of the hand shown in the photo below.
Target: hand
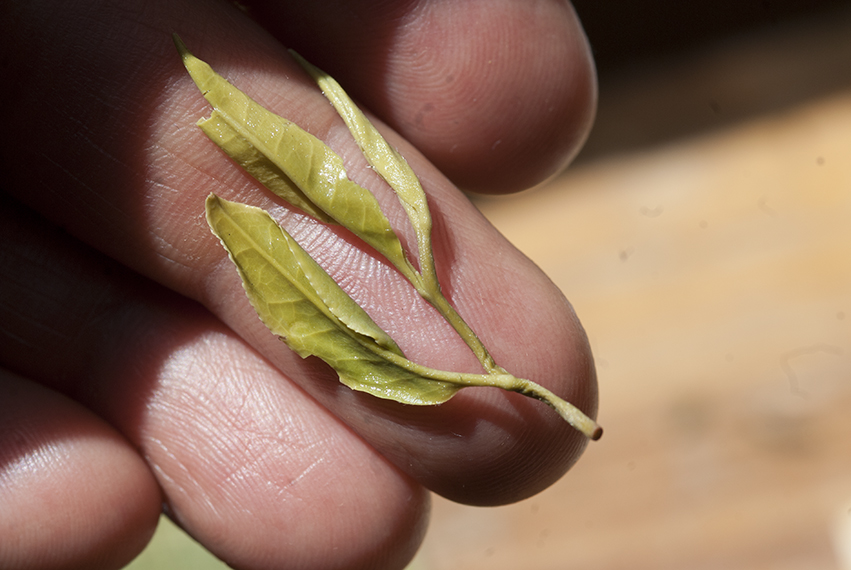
{"x": 135, "y": 374}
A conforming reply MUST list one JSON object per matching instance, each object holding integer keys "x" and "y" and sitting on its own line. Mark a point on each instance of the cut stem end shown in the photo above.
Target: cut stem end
{"x": 570, "y": 413}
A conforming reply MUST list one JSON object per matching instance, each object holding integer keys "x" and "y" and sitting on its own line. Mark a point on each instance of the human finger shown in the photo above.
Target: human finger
{"x": 499, "y": 95}
{"x": 73, "y": 492}
{"x": 116, "y": 161}
{"x": 242, "y": 455}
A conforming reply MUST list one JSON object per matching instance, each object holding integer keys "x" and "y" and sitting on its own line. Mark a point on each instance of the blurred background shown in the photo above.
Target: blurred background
{"x": 704, "y": 238}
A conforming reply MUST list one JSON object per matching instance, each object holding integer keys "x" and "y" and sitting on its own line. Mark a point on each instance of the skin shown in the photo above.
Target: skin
{"x": 134, "y": 373}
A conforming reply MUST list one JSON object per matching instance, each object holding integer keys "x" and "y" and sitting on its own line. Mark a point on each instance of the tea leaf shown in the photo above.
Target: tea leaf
{"x": 291, "y": 162}
{"x": 383, "y": 158}
{"x": 298, "y": 301}
{"x": 282, "y": 280}
{"x": 401, "y": 178}
{"x": 258, "y": 165}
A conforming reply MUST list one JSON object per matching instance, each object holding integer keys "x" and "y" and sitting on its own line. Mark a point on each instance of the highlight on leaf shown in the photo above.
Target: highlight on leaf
{"x": 292, "y": 294}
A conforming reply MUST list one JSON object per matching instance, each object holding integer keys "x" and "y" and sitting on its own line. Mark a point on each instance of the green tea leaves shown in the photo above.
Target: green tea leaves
{"x": 295, "y": 297}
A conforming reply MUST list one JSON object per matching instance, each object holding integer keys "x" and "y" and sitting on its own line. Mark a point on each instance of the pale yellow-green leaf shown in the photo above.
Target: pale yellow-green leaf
{"x": 294, "y": 296}
{"x": 274, "y": 268}
{"x": 302, "y": 304}
{"x": 383, "y": 158}
{"x": 399, "y": 175}
{"x": 258, "y": 165}
{"x": 266, "y": 144}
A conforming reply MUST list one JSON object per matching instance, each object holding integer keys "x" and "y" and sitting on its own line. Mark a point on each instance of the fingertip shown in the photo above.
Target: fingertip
{"x": 498, "y": 98}
{"x": 499, "y": 95}
{"x": 73, "y": 493}
{"x": 240, "y": 477}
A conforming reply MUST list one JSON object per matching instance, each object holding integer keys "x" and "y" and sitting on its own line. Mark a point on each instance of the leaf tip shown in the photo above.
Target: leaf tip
{"x": 211, "y": 204}
{"x": 197, "y": 68}
{"x": 311, "y": 69}
{"x": 185, "y": 55}
{"x": 178, "y": 43}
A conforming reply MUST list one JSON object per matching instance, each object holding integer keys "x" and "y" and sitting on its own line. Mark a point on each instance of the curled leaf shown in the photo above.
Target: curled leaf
{"x": 295, "y": 298}
{"x": 383, "y": 158}
{"x": 287, "y": 288}
{"x": 291, "y": 162}
{"x": 401, "y": 178}
{"x": 298, "y": 301}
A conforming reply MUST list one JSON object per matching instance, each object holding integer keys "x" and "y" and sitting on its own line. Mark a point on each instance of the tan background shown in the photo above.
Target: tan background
{"x": 705, "y": 241}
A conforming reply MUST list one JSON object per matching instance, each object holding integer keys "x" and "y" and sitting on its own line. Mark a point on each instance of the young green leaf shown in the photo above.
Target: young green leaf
{"x": 284, "y": 284}
{"x": 383, "y": 158}
{"x": 292, "y": 294}
{"x": 264, "y": 170}
{"x": 294, "y": 164}
{"x": 401, "y": 178}
{"x": 298, "y": 301}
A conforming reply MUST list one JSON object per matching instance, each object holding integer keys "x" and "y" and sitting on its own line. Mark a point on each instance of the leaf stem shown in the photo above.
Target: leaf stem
{"x": 435, "y": 296}
{"x": 570, "y": 413}
{"x": 393, "y": 168}
{"x": 504, "y": 380}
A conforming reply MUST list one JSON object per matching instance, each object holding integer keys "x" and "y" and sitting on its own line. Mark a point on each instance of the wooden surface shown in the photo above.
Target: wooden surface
{"x": 713, "y": 275}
